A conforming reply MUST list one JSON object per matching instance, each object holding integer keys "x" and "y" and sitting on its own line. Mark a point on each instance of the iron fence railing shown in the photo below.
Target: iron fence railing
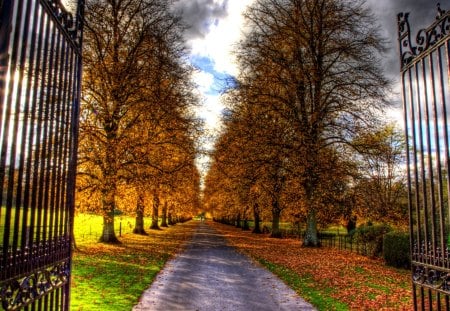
{"x": 339, "y": 241}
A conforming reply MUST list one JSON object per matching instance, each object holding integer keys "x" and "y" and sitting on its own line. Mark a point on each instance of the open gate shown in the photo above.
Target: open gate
{"x": 425, "y": 80}
{"x": 40, "y": 74}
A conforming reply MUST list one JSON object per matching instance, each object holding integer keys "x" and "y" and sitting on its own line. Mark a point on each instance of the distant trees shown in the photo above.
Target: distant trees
{"x": 381, "y": 186}
{"x": 136, "y": 122}
{"x": 311, "y": 79}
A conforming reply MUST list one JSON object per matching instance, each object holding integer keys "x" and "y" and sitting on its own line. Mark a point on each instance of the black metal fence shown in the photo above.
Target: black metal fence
{"x": 425, "y": 80}
{"x": 40, "y": 73}
{"x": 339, "y": 241}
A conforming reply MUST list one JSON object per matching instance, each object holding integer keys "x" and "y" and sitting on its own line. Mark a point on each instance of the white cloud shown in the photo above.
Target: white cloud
{"x": 203, "y": 80}
{"x": 218, "y": 43}
{"x": 211, "y": 108}
{"x": 217, "y": 46}
{"x": 210, "y": 112}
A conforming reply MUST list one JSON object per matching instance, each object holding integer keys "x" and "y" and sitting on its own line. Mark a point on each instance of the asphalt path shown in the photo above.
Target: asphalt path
{"x": 210, "y": 275}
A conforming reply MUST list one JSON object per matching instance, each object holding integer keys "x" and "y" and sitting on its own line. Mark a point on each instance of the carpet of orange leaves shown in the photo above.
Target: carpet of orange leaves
{"x": 360, "y": 282}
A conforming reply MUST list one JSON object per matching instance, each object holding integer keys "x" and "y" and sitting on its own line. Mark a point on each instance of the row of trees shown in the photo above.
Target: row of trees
{"x": 303, "y": 135}
{"x": 138, "y": 135}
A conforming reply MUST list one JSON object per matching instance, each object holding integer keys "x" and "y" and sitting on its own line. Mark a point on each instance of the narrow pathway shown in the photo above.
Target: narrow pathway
{"x": 211, "y": 276}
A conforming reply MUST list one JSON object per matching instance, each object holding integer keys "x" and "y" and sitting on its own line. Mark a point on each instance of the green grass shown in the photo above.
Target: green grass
{"x": 304, "y": 285}
{"x": 111, "y": 282}
{"x": 113, "y": 277}
{"x": 88, "y": 227}
{"x": 360, "y": 270}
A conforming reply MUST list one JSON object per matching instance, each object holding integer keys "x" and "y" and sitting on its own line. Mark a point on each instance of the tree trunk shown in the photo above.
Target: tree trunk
{"x": 74, "y": 242}
{"x": 108, "y": 234}
{"x": 108, "y": 204}
{"x": 238, "y": 220}
{"x": 276, "y": 213}
{"x": 311, "y": 238}
{"x": 139, "y": 226}
{"x": 351, "y": 224}
{"x": 257, "y": 219}
{"x": 245, "y": 225}
{"x": 170, "y": 220}
{"x": 164, "y": 215}
{"x": 155, "y": 215}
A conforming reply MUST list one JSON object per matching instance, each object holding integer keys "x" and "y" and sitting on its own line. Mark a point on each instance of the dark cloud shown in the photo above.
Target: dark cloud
{"x": 422, "y": 14}
{"x": 199, "y": 15}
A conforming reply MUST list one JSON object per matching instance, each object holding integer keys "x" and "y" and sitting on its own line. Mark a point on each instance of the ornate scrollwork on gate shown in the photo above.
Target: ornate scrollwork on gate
{"x": 425, "y": 38}
{"x": 431, "y": 277}
{"x": 65, "y": 19}
{"x": 18, "y": 293}
{"x": 428, "y": 267}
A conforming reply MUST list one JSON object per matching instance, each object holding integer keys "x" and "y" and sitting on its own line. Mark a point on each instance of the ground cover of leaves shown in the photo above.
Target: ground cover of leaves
{"x": 113, "y": 277}
{"x": 358, "y": 282}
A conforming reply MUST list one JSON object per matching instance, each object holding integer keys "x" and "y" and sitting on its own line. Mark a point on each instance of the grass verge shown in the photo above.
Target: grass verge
{"x": 113, "y": 277}
{"x": 304, "y": 286}
{"x": 328, "y": 278}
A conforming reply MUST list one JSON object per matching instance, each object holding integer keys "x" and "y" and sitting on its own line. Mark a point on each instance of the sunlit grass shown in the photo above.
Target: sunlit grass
{"x": 113, "y": 277}
{"x": 88, "y": 227}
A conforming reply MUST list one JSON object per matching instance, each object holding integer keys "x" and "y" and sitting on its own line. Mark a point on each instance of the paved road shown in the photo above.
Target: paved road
{"x": 211, "y": 276}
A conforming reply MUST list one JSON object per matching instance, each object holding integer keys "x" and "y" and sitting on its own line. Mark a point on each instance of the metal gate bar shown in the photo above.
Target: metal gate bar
{"x": 40, "y": 74}
{"x": 425, "y": 81}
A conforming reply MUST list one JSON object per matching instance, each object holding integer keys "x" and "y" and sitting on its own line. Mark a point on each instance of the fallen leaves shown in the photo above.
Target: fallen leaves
{"x": 360, "y": 282}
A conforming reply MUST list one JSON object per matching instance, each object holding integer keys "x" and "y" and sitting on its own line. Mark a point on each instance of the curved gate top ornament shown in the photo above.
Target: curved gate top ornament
{"x": 425, "y": 38}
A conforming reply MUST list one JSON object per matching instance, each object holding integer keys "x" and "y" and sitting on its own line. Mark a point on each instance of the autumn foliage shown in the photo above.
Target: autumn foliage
{"x": 137, "y": 142}
{"x": 304, "y": 140}
{"x": 359, "y": 282}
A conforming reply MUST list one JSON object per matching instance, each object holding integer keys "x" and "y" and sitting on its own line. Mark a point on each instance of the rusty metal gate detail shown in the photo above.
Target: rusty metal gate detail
{"x": 425, "y": 86}
{"x": 40, "y": 74}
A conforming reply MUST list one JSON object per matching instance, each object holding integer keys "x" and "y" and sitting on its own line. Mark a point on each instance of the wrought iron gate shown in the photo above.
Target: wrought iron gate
{"x": 40, "y": 68}
{"x": 425, "y": 80}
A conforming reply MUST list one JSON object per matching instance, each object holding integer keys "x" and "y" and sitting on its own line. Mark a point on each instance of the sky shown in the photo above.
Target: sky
{"x": 216, "y": 25}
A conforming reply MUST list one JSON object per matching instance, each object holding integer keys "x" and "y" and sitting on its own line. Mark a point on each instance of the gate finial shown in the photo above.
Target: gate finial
{"x": 440, "y": 11}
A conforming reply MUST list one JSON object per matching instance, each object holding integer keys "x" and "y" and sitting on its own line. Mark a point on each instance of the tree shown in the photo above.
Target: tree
{"x": 247, "y": 157}
{"x": 381, "y": 188}
{"x": 135, "y": 94}
{"x": 313, "y": 63}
